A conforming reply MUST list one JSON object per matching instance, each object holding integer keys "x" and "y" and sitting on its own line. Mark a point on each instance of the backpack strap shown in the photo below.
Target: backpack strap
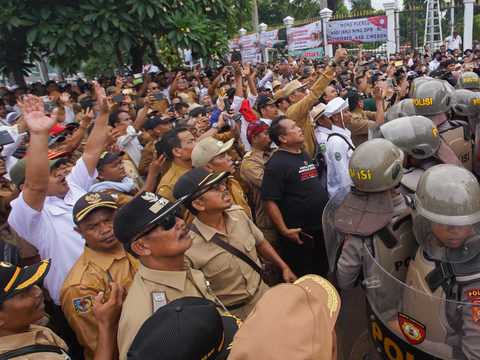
{"x": 350, "y": 146}
{"x": 32, "y": 349}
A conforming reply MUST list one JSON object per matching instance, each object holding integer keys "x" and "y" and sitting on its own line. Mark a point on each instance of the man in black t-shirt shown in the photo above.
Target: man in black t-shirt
{"x": 295, "y": 198}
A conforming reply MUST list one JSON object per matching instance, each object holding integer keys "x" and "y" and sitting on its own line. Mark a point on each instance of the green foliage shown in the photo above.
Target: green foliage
{"x": 67, "y": 30}
{"x": 103, "y": 62}
{"x": 361, "y": 5}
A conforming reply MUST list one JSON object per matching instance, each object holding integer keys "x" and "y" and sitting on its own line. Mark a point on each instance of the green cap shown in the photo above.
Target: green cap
{"x": 17, "y": 172}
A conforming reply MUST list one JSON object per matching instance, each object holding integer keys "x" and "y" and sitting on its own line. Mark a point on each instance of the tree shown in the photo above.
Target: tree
{"x": 361, "y": 5}
{"x": 67, "y": 30}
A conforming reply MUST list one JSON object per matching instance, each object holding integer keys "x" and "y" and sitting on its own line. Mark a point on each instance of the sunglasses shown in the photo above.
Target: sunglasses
{"x": 181, "y": 82}
{"x": 154, "y": 88}
{"x": 220, "y": 186}
{"x": 167, "y": 222}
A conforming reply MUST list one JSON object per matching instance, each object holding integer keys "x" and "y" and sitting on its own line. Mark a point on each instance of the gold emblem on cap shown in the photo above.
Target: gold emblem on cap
{"x": 5, "y": 264}
{"x": 332, "y": 296}
{"x": 93, "y": 198}
{"x": 103, "y": 154}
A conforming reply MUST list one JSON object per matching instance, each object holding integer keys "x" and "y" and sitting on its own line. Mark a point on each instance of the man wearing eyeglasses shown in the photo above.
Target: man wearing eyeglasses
{"x": 152, "y": 229}
{"x": 236, "y": 283}
{"x": 181, "y": 85}
{"x": 160, "y": 105}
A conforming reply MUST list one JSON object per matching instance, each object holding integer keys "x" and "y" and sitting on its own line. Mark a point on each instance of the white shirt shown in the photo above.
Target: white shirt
{"x": 453, "y": 43}
{"x": 434, "y": 64}
{"x": 131, "y": 145}
{"x": 236, "y": 105}
{"x": 9, "y": 149}
{"x": 51, "y": 230}
{"x": 338, "y": 154}
{"x": 321, "y": 133}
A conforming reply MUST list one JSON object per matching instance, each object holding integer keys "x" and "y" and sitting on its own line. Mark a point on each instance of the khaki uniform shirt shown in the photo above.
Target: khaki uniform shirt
{"x": 7, "y": 234}
{"x": 147, "y": 155}
{"x": 138, "y": 306}
{"x": 36, "y": 335}
{"x": 359, "y": 126}
{"x": 234, "y": 154}
{"x": 160, "y": 105}
{"x": 165, "y": 188}
{"x": 231, "y": 279}
{"x": 237, "y": 196}
{"x": 193, "y": 97}
{"x": 120, "y": 197}
{"x": 84, "y": 281}
{"x": 300, "y": 112}
{"x": 252, "y": 171}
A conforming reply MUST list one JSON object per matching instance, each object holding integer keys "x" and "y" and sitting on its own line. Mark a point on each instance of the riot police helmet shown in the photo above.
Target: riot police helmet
{"x": 432, "y": 97}
{"x": 400, "y": 109}
{"x": 376, "y": 165}
{"x": 414, "y": 135}
{"x": 468, "y": 80}
{"x": 466, "y": 103}
{"x": 446, "y": 215}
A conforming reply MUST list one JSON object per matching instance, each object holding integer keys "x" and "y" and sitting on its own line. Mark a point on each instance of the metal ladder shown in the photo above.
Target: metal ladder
{"x": 433, "y": 24}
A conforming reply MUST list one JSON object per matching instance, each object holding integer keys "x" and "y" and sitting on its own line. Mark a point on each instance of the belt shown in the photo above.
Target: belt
{"x": 238, "y": 306}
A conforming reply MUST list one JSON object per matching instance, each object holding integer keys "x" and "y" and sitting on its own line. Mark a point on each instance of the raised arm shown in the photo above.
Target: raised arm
{"x": 37, "y": 174}
{"x": 248, "y": 73}
{"x": 87, "y": 117}
{"x": 98, "y": 136}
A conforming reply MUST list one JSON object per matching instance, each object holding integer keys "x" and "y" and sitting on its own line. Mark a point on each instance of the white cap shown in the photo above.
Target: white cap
{"x": 335, "y": 106}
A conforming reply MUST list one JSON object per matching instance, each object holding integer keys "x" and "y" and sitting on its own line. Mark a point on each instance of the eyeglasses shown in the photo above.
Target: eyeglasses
{"x": 220, "y": 186}
{"x": 167, "y": 222}
{"x": 154, "y": 88}
{"x": 382, "y": 80}
{"x": 181, "y": 82}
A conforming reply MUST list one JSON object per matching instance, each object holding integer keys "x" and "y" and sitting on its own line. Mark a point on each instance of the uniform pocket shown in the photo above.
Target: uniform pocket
{"x": 219, "y": 272}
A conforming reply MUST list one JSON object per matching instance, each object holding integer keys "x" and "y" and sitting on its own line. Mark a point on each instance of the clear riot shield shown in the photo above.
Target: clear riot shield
{"x": 476, "y": 151}
{"x": 352, "y": 329}
{"x": 374, "y": 132}
{"x": 405, "y": 323}
{"x": 333, "y": 238}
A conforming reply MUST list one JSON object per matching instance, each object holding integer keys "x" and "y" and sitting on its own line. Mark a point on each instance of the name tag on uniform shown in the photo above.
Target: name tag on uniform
{"x": 159, "y": 299}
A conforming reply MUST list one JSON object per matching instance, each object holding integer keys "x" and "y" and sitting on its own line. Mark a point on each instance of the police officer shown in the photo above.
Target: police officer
{"x": 418, "y": 138}
{"x": 152, "y": 229}
{"x": 93, "y": 216}
{"x": 212, "y": 155}
{"x": 446, "y": 219}
{"x": 469, "y": 80}
{"x": 433, "y": 99}
{"x": 467, "y": 106}
{"x": 400, "y": 109}
{"x": 374, "y": 179}
{"x": 233, "y": 271}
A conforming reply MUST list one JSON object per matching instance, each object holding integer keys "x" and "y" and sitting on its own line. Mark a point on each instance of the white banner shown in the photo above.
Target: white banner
{"x": 250, "y": 47}
{"x": 305, "y": 37}
{"x": 269, "y": 38}
{"x": 233, "y": 45}
{"x": 357, "y": 30}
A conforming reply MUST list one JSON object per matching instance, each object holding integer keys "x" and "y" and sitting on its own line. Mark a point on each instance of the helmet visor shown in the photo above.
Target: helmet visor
{"x": 447, "y": 242}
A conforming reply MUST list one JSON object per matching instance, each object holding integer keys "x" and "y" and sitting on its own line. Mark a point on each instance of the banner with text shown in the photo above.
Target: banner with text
{"x": 250, "y": 47}
{"x": 305, "y": 37}
{"x": 269, "y": 38}
{"x": 313, "y": 54}
{"x": 233, "y": 44}
{"x": 357, "y": 30}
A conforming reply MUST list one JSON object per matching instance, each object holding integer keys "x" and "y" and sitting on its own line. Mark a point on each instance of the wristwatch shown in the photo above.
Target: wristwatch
{"x": 332, "y": 63}
{"x": 215, "y": 126}
{"x": 387, "y": 99}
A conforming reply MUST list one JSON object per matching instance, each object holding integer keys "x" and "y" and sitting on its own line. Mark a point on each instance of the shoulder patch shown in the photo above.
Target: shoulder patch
{"x": 83, "y": 306}
{"x": 247, "y": 154}
{"x": 323, "y": 149}
{"x": 338, "y": 156}
{"x": 246, "y": 166}
{"x": 473, "y": 294}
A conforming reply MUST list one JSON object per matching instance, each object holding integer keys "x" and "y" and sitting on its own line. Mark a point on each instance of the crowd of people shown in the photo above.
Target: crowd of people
{"x": 178, "y": 215}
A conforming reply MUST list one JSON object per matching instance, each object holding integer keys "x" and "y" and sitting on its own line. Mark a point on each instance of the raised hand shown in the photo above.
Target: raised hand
{"x": 156, "y": 165}
{"x": 34, "y": 115}
{"x": 340, "y": 54}
{"x": 101, "y": 98}
{"x": 64, "y": 98}
{"x": 87, "y": 115}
